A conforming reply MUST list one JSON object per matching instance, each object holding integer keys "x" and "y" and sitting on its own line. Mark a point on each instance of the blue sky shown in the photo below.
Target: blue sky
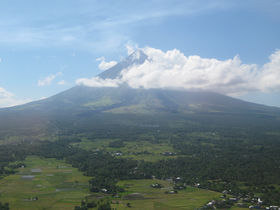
{"x": 46, "y": 46}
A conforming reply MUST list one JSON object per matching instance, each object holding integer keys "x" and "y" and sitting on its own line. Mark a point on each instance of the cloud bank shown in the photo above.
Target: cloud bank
{"x": 174, "y": 70}
{"x": 97, "y": 82}
{"x": 6, "y": 99}
{"x": 47, "y": 80}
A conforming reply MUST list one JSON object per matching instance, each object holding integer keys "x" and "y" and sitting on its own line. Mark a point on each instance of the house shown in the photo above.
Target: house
{"x": 210, "y": 203}
{"x": 233, "y": 199}
{"x": 167, "y": 153}
{"x": 255, "y": 207}
{"x": 103, "y": 190}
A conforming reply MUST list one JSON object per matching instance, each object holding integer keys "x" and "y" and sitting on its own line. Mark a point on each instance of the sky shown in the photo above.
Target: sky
{"x": 228, "y": 47}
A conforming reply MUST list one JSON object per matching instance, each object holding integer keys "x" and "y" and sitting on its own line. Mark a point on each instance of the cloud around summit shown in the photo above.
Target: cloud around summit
{"x": 105, "y": 65}
{"x": 175, "y": 70}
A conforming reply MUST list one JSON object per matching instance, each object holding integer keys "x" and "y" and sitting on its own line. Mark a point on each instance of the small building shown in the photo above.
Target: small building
{"x": 233, "y": 199}
{"x": 255, "y": 207}
{"x": 210, "y": 203}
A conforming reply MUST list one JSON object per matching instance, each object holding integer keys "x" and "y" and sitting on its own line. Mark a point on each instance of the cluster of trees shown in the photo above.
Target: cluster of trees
{"x": 7, "y": 157}
{"x": 116, "y": 144}
{"x": 4, "y": 206}
{"x": 102, "y": 204}
{"x": 271, "y": 196}
{"x": 106, "y": 185}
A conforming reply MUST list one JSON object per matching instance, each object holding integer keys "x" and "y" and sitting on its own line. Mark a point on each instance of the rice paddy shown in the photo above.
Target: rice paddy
{"x": 52, "y": 184}
{"x": 55, "y": 184}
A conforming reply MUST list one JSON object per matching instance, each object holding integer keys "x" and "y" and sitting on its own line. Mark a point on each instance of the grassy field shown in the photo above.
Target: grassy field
{"x": 155, "y": 198}
{"x": 57, "y": 186}
{"x": 131, "y": 149}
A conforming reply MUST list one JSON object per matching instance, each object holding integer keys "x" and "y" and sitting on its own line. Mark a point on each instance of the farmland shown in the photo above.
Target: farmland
{"x": 56, "y": 185}
{"x": 59, "y": 186}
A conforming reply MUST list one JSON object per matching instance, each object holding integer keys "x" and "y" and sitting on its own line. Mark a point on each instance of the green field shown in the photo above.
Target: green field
{"x": 60, "y": 186}
{"x": 156, "y": 198}
{"x": 54, "y": 186}
{"x": 131, "y": 150}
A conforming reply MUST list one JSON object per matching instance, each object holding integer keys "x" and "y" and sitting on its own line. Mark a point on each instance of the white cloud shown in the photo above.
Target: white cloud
{"x": 97, "y": 82}
{"x": 5, "y": 94}
{"x": 62, "y": 82}
{"x": 106, "y": 65}
{"x": 100, "y": 59}
{"x": 174, "y": 70}
{"x": 47, "y": 80}
{"x": 6, "y": 99}
{"x": 269, "y": 76}
{"x": 0, "y": 59}
{"x": 37, "y": 56}
{"x": 43, "y": 97}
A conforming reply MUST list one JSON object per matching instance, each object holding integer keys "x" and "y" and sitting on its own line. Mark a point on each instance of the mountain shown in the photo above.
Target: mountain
{"x": 124, "y": 99}
{"x": 83, "y": 101}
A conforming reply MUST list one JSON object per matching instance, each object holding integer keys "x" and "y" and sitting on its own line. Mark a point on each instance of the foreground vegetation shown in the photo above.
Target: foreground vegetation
{"x": 126, "y": 155}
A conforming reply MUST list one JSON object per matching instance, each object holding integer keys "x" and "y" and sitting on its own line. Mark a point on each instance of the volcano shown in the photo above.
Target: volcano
{"x": 82, "y": 101}
{"x": 124, "y": 99}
